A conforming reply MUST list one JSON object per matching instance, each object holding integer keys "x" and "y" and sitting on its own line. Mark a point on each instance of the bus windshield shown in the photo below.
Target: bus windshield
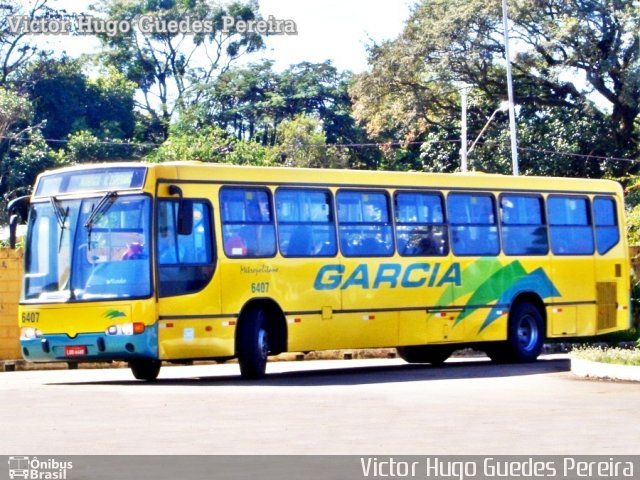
{"x": 88, "y": 249}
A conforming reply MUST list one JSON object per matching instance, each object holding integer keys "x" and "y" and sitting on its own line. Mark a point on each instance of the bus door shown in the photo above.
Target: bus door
{"x": 572, "y": 266}
{"x": 190, "y": 324}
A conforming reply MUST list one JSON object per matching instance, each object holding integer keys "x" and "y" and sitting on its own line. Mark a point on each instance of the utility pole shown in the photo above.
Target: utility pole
{"x": 463, "y": 131}
{"x": 512, "y": 112}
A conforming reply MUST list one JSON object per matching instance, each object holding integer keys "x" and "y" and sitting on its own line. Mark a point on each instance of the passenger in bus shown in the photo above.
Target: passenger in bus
{"x": 169, "y": 252}
{"x": 135, "y": 251}
{"x": 235, "y": 246}
{"x": 301, "y": 243}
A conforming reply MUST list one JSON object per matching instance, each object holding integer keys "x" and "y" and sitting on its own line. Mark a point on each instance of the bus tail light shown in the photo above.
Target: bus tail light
{"x": 29, "y": 333}
{"x": 125, "y": 329}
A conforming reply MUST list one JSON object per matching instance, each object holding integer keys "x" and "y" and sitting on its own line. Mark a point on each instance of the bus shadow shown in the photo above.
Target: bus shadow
{"x": 364, "y": 375}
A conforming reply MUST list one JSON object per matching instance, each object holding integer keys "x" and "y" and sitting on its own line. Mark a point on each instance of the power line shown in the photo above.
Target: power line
{"x": 395, "y": 143}
{"x": 581, "y": 155}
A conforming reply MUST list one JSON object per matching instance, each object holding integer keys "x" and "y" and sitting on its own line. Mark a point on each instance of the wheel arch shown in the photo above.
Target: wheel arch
{"x": 276, "y": 323}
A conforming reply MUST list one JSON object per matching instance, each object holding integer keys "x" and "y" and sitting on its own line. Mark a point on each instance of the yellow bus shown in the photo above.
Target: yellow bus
{"x": 181, "y": 261}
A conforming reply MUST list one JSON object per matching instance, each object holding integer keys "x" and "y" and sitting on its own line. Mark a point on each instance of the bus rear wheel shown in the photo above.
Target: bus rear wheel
{"x": 144, "y": 369}
{"x": 433, "y": 354}
{"x": 253, "y": 345}
{"x": 525, "y": 336}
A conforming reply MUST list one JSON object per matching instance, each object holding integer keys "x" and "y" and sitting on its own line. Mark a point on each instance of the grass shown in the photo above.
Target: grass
{"x": 619, "y": 356}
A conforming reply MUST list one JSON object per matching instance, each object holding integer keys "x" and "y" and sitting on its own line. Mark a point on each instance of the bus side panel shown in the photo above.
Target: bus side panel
{"x": 489, "y": 287}
{"x": 572, "y": 312}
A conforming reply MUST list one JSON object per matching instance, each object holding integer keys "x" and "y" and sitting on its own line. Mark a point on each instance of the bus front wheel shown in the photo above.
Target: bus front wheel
{"x": 144, "y": 369}
{"x": 434, "y": 354}
{"x": 525, "y": 336}
{"x": 253, "y": 345}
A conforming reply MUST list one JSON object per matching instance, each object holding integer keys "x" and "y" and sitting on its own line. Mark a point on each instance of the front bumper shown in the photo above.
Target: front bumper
{"x": 99, "y": 347}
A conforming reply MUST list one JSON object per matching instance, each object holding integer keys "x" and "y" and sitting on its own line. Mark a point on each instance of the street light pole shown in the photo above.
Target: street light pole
{"x": 463, "y": 131}
{"x": 512, "y": 113}
{"x": 504, "y": 106}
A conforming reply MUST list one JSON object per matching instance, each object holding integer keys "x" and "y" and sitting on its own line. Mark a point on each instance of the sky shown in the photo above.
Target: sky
{"x": 336, "y": 30}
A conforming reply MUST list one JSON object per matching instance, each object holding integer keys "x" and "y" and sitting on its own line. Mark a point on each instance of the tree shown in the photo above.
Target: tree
{"x": 23, "y": 151}
{"x": 15, "y": 48}
{"x": 166, "y": 67}
{"x": 303, "y": 143}
{"x": 567, "y": 51}
{"x": 211, "y": 144}
{"x": 84, "y": 146}
{"x": 252, "y": 102}
{"x": 66, "y": 101}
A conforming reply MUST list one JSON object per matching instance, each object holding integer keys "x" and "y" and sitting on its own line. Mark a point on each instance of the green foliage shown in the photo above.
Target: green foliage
{"x": 211, "y": 144}
{"x": 632, "y": 206}
{"x": 251, "y": 103}
{"x": 27, "y": 155}
{"x": 635, "y": 303}
{"x": 618, "y": 356}
{"x": 14, "y": 109}
{"x": 84, "y": 146}
{"x": 165, "y": 66}
{"x": 66, "y": 101}
{"x": 302, "y": 143}
{"x": 16, "y": 48}
{"x": 412, "y": 90}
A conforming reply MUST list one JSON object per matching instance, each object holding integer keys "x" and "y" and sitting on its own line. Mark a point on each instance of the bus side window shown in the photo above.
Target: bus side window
{"x": 364, "y": 223}
{"x": 420, "y": 227}
{"x": 306, "y": 225}
{"x": 473, "y": 224}
{"x": 247, "y": 222}
{"x": 570, "y": 225}
{"x": 523, "y": 228}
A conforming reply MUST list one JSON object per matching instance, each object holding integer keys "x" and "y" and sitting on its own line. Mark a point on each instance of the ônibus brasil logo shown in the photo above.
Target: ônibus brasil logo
{"x": 38, "y": 469}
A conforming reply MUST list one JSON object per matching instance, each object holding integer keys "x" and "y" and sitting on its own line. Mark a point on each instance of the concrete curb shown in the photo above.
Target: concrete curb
{"x": 610, "y": 371}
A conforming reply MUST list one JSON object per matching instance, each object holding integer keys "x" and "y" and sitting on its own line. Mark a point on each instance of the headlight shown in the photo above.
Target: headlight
{"x": 125, "y": 329}
{"x": 29, "y": 333}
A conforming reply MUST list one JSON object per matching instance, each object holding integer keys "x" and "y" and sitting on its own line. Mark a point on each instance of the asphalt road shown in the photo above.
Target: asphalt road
{"x": 321, "y": 407}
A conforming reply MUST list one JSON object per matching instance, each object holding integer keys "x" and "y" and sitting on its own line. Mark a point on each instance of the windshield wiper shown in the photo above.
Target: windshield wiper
{"x": 97, "y": 213}
{"x": 61, "y": 215}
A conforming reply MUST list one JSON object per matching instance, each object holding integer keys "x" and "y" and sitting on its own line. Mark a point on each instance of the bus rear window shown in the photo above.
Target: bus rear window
{"x": 606, "y": 221}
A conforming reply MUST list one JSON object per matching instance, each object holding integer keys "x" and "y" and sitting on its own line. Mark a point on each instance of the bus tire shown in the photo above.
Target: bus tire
{"x": 525, "y": 336}
{"x": 253, "y": 345}
{"x": 433, "y": 354}
{"x": 145, "y": 369}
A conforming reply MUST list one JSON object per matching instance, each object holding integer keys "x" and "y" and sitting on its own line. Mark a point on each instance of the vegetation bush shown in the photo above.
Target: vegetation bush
{"x": 620, "y": 356}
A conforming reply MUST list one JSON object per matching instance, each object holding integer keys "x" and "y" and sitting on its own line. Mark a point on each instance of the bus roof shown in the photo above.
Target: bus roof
{"x": 200, "y": 172}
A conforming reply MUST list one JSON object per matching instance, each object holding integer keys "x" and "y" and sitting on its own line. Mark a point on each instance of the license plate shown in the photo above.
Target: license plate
{"x": 75, "y": 350}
